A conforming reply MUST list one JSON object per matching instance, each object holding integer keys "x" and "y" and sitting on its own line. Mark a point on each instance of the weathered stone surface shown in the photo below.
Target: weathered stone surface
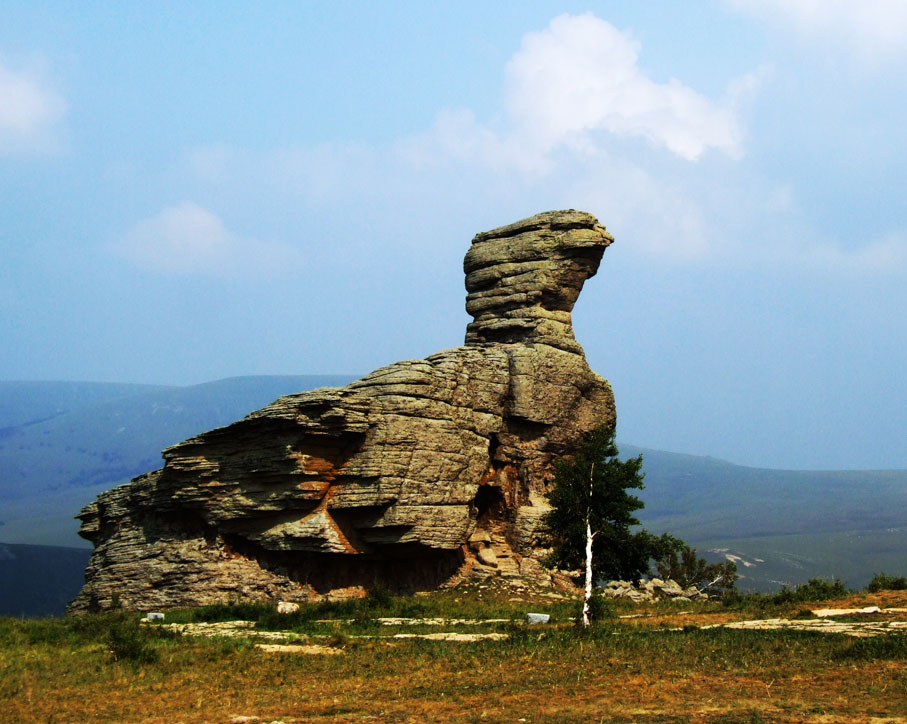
{"x": 523, "y": 279}
{"x": 404, "y": 476}
{"x": 651, "y": 590}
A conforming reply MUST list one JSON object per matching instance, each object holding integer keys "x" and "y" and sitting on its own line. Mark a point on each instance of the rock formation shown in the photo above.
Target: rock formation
{"x": 421, "y": 473}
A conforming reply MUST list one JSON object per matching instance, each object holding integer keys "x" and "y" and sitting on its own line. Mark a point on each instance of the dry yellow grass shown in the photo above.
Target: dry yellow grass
{"x": 622, "y": 673}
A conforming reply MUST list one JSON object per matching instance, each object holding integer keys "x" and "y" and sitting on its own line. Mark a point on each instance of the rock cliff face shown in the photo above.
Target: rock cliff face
{"x": 419, "y": 474}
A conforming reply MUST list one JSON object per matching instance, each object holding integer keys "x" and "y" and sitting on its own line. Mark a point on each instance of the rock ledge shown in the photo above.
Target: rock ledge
{"x": 419, "y": 475}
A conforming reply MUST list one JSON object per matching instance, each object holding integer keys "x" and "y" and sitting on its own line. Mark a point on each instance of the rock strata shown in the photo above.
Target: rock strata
{"x": 648, "y": 591}
{"x": 418, "y": 475}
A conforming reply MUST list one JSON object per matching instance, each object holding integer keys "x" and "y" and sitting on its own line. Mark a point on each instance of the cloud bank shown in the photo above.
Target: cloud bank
{"x": 29, "y": 111}
{"x": 874, "y": 30}
{"x": 580, "y": 76}
{"x": 580, "y": 125}
{"x": 187, "y": 239}
{"x": 572, "y": 86}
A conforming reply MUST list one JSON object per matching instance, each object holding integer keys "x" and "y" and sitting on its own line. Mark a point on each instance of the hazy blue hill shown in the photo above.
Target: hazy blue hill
{"x": 39, "y": 580}
{"x": 22, "y": 403}
{"x": 788, "y": 525}
{"x": 50, "y": 469}
{"x": 705, "y": 498}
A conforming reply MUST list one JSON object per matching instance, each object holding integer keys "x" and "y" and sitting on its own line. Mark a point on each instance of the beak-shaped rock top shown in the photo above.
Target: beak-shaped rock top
{"x": 523, "y": 279}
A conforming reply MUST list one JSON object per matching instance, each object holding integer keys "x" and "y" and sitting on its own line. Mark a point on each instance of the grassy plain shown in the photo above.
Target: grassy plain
{"x": 649, "y": 663}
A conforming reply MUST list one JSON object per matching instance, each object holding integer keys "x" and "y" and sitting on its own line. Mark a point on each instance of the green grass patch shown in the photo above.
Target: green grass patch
{"x": 878, "y": 648}
{"x": 361, "y": 613}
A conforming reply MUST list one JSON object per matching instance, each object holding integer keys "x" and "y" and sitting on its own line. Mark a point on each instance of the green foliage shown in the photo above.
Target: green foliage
{"x": 881, "y": 582}
{"x": 465, "y": 602}
{"x": 600, "y": 608}
{"x": 876, "y": 648}
{"x": 379, "y": 597}
{"x": 680, "y": 563}
{"x": 617, "y": 551}
{"x": 377, "y": 602}
{"x": 128, "y": 640}
{"x": 236, "y": 611}
{"x": 815, "y": 589}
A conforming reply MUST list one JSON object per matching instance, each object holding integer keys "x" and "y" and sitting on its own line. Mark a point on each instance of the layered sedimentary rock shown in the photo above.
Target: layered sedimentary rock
{"x": 421, "y": 472}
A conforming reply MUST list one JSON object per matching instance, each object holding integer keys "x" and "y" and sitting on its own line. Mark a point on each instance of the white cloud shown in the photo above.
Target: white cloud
{"x": 29, "y": 110}
{"x": 570, "y": 86}
{"x": 580, "y": 76}
{"x": 872, "y": 29}
{"x": 574, "y": 93}
{"x": 187, "y": 239}
{"x": 887, "y": 255}
{"x": 657, "y": 216}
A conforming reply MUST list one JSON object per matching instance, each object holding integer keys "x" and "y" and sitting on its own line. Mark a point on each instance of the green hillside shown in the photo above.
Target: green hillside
{"x": 705, "y": 498}
{"x": 788, "y": 525}
{"x": 767, "y": 563}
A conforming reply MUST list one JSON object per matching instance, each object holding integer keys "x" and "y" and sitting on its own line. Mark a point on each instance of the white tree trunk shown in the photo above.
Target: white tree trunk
{"x": 589, "y": 536}
{"x": 588, "y": 594}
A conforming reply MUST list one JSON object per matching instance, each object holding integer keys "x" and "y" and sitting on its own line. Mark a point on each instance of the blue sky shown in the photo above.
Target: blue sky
{"x": 193, "y": 192}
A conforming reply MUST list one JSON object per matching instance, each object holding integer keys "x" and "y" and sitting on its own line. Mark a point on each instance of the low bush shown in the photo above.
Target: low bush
{"x": 881, "y": 582}
{"x": 129, "y": 641}
{"x": 600, "y": 608}
{"x": 815, "y": 589}
{"x": 236, "y": 611}
{"x": 682, "y": 564}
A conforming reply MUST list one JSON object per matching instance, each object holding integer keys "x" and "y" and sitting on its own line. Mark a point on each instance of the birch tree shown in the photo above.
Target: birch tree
{"x": 589, "y": 525}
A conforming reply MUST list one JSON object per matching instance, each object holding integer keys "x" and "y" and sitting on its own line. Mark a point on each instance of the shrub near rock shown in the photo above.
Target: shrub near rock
{"x": 881, "y": 582}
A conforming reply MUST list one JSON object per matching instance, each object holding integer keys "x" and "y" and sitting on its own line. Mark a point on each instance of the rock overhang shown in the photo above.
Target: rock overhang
{"x": 421, "y": 472}
{"x": 523, "y": 279}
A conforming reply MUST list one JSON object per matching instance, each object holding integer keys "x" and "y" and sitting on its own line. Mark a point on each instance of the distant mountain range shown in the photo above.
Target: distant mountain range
{"x": 784, "y": 526}
{"x": 39, "y": 580}
{"x": 81, "y": 438}
{"x": 61, "y": 443}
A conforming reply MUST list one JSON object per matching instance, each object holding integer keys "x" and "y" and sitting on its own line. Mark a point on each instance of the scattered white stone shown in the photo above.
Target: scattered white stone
{"x": 857, "y": 630}
{"x": 651, "y": 590}
{"x": 537, "y": 617}
{"x": 312, "y": 649}
{"x": 826, "y": 612}
{"x": 395, "y": 621}
{"x": 154, "y": 616}
{"x": 461, "y": 637}
{"x": 287, "y": 607}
